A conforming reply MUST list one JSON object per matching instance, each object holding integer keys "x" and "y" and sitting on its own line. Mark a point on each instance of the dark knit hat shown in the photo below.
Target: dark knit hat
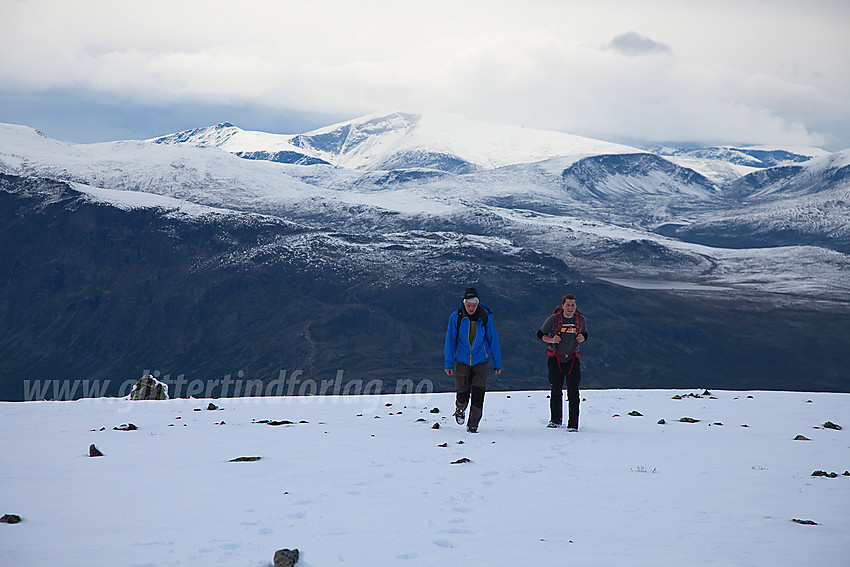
{"x": 470, "y": 292}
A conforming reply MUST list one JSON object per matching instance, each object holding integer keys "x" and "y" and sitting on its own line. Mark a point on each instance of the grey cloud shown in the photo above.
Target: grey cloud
{"x": 633, "y": 44}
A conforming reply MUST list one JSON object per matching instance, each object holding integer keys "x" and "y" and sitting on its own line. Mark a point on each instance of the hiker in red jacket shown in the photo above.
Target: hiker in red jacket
{"x": 564, "y": 331}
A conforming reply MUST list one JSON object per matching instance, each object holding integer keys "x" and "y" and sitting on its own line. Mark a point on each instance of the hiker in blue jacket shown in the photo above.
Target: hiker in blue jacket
{"x": 563, "y": 332}
{"x": 471, "y": 341}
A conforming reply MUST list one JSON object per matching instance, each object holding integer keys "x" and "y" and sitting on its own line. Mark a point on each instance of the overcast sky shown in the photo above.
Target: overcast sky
{"x": 714, "y": 71}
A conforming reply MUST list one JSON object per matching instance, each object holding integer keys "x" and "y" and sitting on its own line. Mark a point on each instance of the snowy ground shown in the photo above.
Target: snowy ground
{"x": 364, "y": 483}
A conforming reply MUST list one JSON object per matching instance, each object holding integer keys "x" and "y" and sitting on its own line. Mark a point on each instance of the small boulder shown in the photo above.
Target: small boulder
{"x": 435, "y": 410}
{"x": 149, "y": 388}
{"x": 126, "y": 427}
{"x": 245, "y": 459}
{"x": 94, "y": 451}
{"x": 635, "y": 414}
{"x": 801, "y": 438}
{"x": 212, "y": 407}
{"x": 830, "y": 425}
{"x": 285, "y": 557}
{"x": 10, "y": 519}
{"x": 435, "y": 426}
{"x": 461, "y": 461}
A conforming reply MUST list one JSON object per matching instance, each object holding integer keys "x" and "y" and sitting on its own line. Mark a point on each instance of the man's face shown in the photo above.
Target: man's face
{"x": 471, "y": 305}
{"x": 569, "y": 307}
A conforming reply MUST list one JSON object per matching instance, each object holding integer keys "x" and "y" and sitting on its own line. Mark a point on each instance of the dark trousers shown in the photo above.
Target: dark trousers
{"x": 569, "y": 371}
{"x": 471, "y": 381}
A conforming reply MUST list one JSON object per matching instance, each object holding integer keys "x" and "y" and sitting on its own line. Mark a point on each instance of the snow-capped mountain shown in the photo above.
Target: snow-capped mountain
{"x": 398, "y": 214}
{"x": 402, "y": 140}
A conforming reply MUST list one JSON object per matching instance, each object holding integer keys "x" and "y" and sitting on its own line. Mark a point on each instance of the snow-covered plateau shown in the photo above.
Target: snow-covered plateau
{"x": 368, "y": 480}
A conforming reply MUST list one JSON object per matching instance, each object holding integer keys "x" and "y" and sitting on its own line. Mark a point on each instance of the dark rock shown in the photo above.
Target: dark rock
{"x": 461, "y": 461}
{"x": 125, "y": 427}
{"x": 285, "y": 557}
{"x": 435, "y": 426}
{"x": 421, "y": 420}
{"x": 825, "y": 474}
{"x": 805, "y": 522}
{"x": 661, "y": 422}
{"x": 10, "y": 519}
{"x": 149, "y": 388}
{"x": 212, "y": 407}
{"x": 689, "y": 420}
{"x": 635, "y": 414}
{"x": 245, "y": 459}
{"x": 801, "y": 438}
{"x": 435, "y": 410}
{"x": 830, "y": 425}
{"x": 443, "y": 445}
{"x": 94, "y": 451}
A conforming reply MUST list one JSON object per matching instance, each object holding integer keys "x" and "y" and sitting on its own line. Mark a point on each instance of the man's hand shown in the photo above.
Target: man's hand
{"x": 553, "y": 340}
{"x": 499, "y": 371}
{"x": 449, "y": 371}
{"x": 580, "y": 338}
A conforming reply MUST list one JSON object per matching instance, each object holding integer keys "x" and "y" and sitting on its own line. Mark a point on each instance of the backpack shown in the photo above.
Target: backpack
{"x": 460, "y": 314}
{"x": 555, "y": 349}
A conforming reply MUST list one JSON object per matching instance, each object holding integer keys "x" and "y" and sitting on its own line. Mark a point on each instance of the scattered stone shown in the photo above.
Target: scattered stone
{"x": 718, "y": 423}
{"x": 744, "y": 425}
{"x": 421, "y": 420}
{"x": 826, "y": 474}
{"x": 197, "y": 409}
{"x": 435, "y": 426}
{"x": 443, "y": 445}
{"x": 635, "y": 414}
{"x": 805, "y": 522}
{"x": 245, "y": 459}
{"x": 508, "y": 397}
{"x": 706, "y": 393}
{"x": 94, "y": 451}
{"x": 149, "y": 388}
{"x": 460, "y": 442}
{"x": 461, "y": 461}
{"x": 303, "y": 421}
{"x": 125, "y": 427}
{"x": 10, "y": 519}
{"x": 846, "y": 473}
{"x": 689, "y": 420}
{"x": 285, "y": 557}
{"x": 275, "y": 422}
{"x": 389, "y": 405}
{"x": 830, "y": 425}
{"x": 221, "y": 423}
{"x": 801, "y": 438}
{"x": 435, "y": 410}
{"x": 809, "y": 401}
{"x": 750, "y": 398}
{"x": 676, "y": 397}
{"x": 661, "y": 422}
{"x": 212, "y": 407}
{"x": 616, "y": 415}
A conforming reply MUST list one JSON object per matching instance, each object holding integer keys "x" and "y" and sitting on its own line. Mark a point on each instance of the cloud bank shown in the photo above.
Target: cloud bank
{"x": 761, "y": 71}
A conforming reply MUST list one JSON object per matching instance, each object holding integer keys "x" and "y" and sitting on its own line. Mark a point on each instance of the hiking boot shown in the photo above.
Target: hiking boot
{"x": 471, "y": 429}
{"x": 572, "y": 429}
{"x": 460, "y": 416}
{"x": 553, "y": 425}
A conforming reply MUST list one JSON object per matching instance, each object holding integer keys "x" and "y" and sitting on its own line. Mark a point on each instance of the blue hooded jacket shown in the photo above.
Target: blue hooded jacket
{"x": 484, "y": 345}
